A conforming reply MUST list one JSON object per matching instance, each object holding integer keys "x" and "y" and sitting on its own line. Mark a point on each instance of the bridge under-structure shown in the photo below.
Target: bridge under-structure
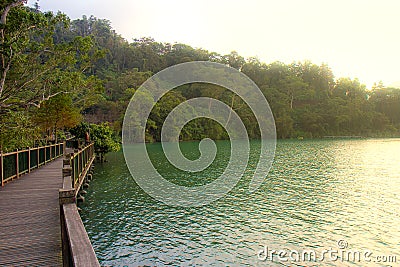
{"x": 39, "y": 221}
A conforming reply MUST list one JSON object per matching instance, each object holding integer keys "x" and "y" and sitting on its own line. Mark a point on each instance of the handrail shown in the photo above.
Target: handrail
{"x": 77, "y": 249}
{"x": 78, "y": 162}
{"x": 16, "y": 163}
{"x": 77, "y": 245}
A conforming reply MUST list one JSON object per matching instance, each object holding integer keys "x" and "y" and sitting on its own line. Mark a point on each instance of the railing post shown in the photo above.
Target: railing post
{"x": 81, "y": 167}
{"x": 73, "y": 169}
{"x": 29, "y": 159}
{"x": 45, "y": 156}
{"x": 82, "y": 164}
{"x": 78, "y": 168}
{"x": 2, "y": 168}
{"x": 38, "y": 157}
{"x": 17, "y": 164}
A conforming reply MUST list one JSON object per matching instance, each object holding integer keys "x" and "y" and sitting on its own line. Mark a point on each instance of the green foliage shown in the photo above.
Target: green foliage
{"x": 42, "y": 77}
{"x": 101, "y": 134}
{"x": 35, "y": 68}
{"x": 17, "y": 131}
{"x": 54, "y": 71}
{"x": 56, "y": 114}
{"x": 305, "y": 98}
{"x": 103, "y": 137}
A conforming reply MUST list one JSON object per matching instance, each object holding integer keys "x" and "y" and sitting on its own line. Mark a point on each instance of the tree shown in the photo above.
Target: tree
{"x": 234, "y": 60}
{"x": 33, "y": 68}
{"x": 305, "y": 98}
{"x": 101, "y": 134}
{"x": 386, "y": 101}
{"x": 17, "y": 131}
{"x": 55, "y": 114}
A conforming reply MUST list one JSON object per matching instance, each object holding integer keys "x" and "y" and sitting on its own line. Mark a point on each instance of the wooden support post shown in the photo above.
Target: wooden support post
{"x": 38, "y": 157}
{"x": 73, "y": 167}
{"x": 66, "y": 161}
{"x": 17, "y": 164}
{"x": 82, "y": 166}
{"x": 66, "y": 171}
{"x": 2, "y": 168}
{"x": 79, "y": 166}
{"x": 66, "y": 250}
{"x": 66, "y": 196}
{"x": 45, "y": 156}
{"x": 78, "y": 169}
{"x": 29, "y": 159}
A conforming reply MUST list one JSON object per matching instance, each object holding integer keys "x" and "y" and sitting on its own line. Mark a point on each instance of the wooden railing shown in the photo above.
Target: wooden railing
{"x": 79, "y": 161}
{"x": 77, "y": 249}
{"x": 14, "y": 164}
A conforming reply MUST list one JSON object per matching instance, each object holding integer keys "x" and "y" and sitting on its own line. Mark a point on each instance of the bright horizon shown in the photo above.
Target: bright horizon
{"x": 357, "y": 39}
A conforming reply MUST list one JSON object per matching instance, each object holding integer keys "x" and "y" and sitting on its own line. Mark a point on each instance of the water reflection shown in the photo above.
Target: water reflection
{"x": 318, "y": 192}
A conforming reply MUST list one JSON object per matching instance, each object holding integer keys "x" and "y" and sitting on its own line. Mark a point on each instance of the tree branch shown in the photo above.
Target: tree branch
{"x": 45, "y": 98}
{"x": 5, "y": 71}
{"x": 3, "y": 19}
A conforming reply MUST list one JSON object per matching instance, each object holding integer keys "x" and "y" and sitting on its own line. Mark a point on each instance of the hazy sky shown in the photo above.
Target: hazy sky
{"x": 355, "y": 38}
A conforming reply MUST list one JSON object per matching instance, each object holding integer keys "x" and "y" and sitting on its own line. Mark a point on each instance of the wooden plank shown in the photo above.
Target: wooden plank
{"x": 30, "y": 232}
{"x": 30, "y": 225}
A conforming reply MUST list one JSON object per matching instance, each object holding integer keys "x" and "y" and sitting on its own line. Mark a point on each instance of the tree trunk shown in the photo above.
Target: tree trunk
{"x": 291, "y": 102}
{"x": 230, "y": 111}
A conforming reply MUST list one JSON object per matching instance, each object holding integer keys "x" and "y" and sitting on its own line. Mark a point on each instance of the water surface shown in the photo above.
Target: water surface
{"x": 317, "y": 193}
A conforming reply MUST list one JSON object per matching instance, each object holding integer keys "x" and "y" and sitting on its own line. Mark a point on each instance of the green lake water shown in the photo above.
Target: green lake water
{"x": 317, "y": 193}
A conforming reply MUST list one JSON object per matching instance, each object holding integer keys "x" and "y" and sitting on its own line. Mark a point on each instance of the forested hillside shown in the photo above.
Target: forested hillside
{"x": 56, "y": 73}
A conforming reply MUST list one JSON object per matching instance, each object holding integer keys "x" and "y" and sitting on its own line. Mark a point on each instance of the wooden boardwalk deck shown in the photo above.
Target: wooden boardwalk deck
{"x": 30, "y": 232}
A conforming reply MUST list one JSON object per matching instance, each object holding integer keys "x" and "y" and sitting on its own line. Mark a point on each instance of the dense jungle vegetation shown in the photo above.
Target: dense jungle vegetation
{"x": 57, "y": 74}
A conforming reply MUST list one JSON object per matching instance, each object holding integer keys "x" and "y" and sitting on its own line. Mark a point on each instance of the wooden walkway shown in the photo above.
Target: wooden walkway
{"x": 30, "y": 231}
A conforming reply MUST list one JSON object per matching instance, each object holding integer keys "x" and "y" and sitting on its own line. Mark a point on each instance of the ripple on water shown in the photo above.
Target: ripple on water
{"x": 316, "y": 193}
